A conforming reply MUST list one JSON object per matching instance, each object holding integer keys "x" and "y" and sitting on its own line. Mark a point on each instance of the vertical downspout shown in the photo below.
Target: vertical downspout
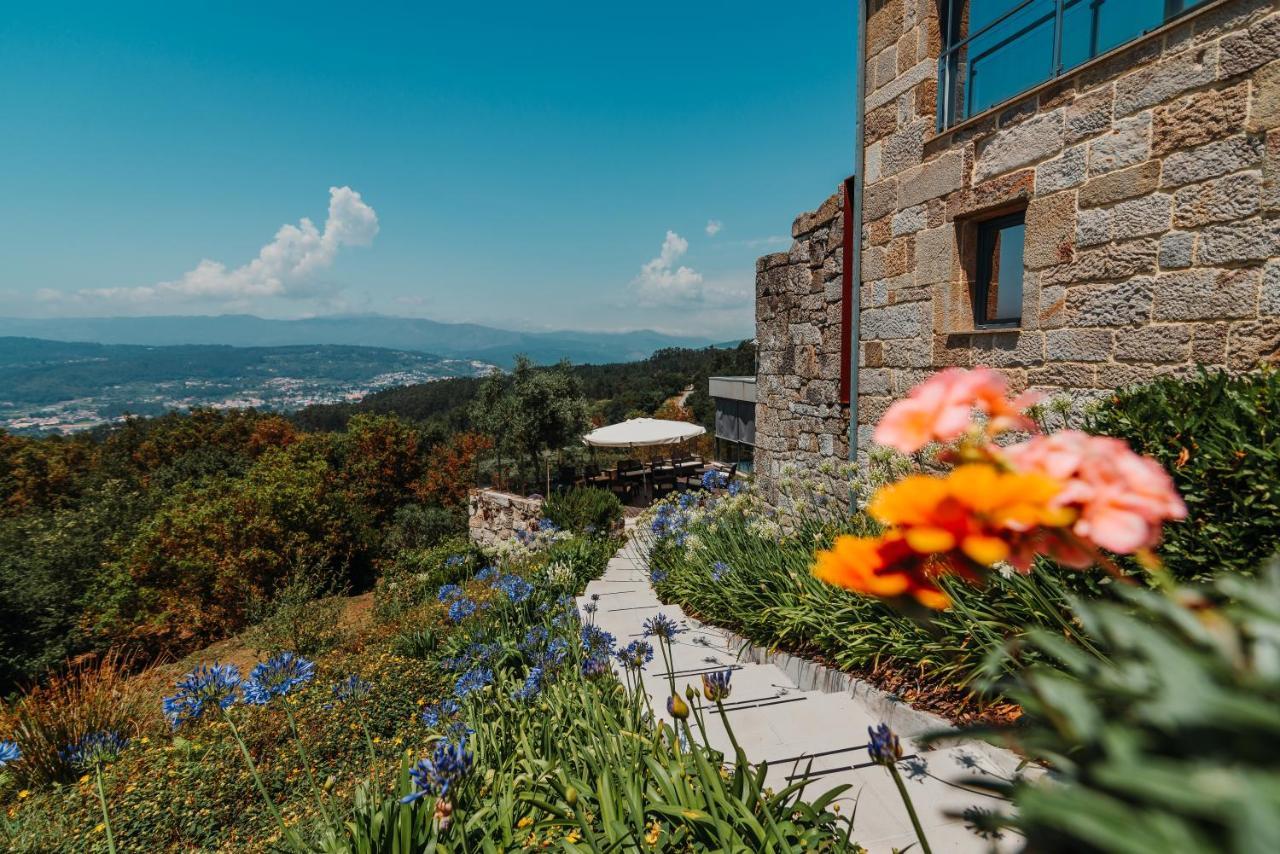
{"x": 855, "y": 274}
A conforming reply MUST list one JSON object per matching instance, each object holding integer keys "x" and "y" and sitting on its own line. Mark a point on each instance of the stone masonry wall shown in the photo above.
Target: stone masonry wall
{"x": 799, "y": 419}
{"x": 1150, "y": 181}
{"x": 1151, "y": 184}
{"x": 494, "y": 517}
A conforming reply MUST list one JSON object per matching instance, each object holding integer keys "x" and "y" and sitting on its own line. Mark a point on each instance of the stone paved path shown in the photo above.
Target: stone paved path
{"x": 799, "y": 733}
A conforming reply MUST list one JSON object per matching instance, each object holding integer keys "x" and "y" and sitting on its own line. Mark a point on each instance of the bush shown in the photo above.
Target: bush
{"x": 418, "y": 526}
{"x": 415, "y": 643}
{"x": 305, "y": 616}
{"x": 584, "y": 509}
{"x": 414, "y": 575}
{"x": 1219, "y": 437}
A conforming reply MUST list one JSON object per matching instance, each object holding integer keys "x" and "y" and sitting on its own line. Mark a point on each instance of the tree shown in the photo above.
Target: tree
{"x": 532, "y": 411}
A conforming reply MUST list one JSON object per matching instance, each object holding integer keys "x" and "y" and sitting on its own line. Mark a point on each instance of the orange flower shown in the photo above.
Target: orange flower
{"x": 959, "y": 524}
{"x": 884, "y": 567}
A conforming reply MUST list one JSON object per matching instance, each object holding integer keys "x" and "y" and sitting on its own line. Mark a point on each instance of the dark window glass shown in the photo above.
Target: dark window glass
{"x": 998, "y": 296}
{"x": 997, "y": 49}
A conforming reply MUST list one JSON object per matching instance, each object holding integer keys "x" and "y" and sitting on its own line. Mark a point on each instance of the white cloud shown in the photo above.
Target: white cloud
{"x": 713, "y": 227}
{"x": 286, "y": 267}
{"x": 661, "y": 281}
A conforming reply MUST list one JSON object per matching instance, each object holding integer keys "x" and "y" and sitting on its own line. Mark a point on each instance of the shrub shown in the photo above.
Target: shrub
{"x": 1219, "y": 437}
{"x": 305, "y": 616}
{"x": 415, "y": 643}
{"x": 418, "y": 526}
{"x": 414, "y": 575}
{"x": 584, "y": 509}
{"x": 91, "y": 697}
{"x": 1166, "y": 742}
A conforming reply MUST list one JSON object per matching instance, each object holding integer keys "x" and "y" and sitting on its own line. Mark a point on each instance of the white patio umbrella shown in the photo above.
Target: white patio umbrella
{"x": 642, "y": 433}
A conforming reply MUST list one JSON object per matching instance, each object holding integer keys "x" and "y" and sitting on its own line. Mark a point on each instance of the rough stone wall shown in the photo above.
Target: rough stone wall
{"x": 494, "y": 517}
{"x": 1150, "y": 181}
{"x": 799, "y": 419}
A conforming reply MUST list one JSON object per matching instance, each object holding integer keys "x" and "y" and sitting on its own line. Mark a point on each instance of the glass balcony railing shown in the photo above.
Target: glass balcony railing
{"x": 997, "y": 49}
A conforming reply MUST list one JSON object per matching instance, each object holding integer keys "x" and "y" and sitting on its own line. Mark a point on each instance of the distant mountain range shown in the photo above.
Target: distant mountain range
{"x": 448, "y": 340}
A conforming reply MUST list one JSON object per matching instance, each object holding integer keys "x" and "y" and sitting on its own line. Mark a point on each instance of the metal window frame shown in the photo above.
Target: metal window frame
{"x": 946, "y": 116}
{"x": 985, "y": 238}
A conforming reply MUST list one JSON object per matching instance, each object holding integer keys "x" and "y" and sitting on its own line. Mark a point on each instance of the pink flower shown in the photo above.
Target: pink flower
{"x": 1122, "y": 498}
{"x": 940, "y": 409}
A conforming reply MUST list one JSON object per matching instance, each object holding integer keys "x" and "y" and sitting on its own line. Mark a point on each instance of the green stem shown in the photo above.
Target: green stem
{"x": 911, "y": 808}
{"x": 102, "y": 799}
{"x": 738, "y": 755}
{"x": 288, "y": 834}
{"x": 368, "y": 740}
{"x": 321, "y": 801}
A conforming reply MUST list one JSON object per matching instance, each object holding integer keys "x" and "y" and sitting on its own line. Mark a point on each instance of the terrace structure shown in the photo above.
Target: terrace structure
{"x": 1083, "y": 194}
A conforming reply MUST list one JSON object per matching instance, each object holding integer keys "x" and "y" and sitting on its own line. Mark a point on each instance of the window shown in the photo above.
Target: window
{"x": 996, "y": 49}
{"x": 997, "y": 298}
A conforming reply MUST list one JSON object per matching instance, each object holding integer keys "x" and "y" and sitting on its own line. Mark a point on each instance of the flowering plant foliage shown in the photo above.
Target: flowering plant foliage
{"x": 1067, "y": 496}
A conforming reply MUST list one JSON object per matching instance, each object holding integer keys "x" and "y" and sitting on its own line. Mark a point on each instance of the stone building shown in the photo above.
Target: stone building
{"x": 1082, "y": 194}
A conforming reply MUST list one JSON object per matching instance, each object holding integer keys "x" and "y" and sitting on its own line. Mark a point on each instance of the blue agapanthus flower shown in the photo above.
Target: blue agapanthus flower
{"x": 882, "y": 745}
{"x": 735, "y": 487}
{"x": 515, "y": 588}
{"x": 96, "y": 748}
{"x": 534, "y": 640}
{"x": 351, "y": 688}
{"x": 449, "y": 592}
{"x": 276, "y": 677}
{"x": 460, "y": 609}
{"x": 443, "y": 771}
{"x": 596, "y": 641}
{"x": 473, "y": 680}
{"x": 555, "y": 653}
{"x": 661, "y": 626}
{"x": 438, "y": 714}
{"x": 489, "y": 573}
{"x": 718, "y": 570}
{"x": 547, "y": 525}
{"x": 532, "y": 686}
{"x": 713, "y": 479}
{"x": 206, "y": 687}
{"x": 595, "y": 667}
{"x": 657, "y": 576}
{"x": 9, "y": 753}
{"x": 635, "y": 655}
{"x": 454, "y": 560}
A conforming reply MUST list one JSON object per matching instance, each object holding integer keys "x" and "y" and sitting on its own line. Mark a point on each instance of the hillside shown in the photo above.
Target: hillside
{"x": 54, "y": 385}
{"x": 451, "y": 340}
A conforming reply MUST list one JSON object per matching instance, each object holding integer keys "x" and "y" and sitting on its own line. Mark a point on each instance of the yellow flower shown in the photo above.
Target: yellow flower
{"x": 99, "y": 827}
{"x": 655, "y": 830}
{"x": 573, "y": 835}
{"x": 24, "y": 794}
{"x": 524, "y": 822}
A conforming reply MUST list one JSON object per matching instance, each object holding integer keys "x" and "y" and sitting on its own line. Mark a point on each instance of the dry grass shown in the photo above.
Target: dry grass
{"x": 106, "y": 694}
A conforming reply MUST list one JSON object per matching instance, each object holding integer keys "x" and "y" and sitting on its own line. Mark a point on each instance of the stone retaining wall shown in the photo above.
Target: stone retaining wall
{"x": 495, "y": 517}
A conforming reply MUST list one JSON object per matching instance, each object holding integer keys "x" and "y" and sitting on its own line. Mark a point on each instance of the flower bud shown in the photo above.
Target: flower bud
{"x": 677, "y": 707}
{"x": 571, "y": 796}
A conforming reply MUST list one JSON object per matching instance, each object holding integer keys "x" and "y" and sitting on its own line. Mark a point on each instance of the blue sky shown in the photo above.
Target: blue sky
{"x": 531, "y": 165}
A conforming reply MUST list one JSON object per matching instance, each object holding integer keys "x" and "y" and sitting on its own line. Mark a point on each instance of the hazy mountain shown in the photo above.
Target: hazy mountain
{"x": 452, "y": 340}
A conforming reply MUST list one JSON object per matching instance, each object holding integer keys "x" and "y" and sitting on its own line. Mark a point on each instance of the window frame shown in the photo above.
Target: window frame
{"x": 985, "y": 246}
{"x": 952, "y": 44}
